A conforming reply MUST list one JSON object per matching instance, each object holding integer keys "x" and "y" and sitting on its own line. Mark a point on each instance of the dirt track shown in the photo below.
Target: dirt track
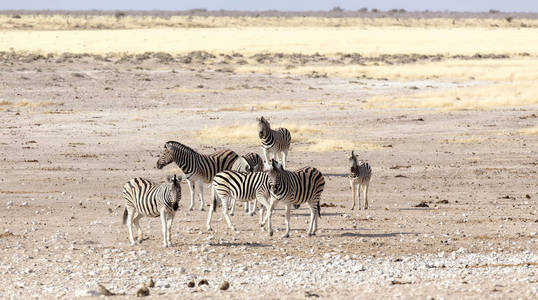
{"x": 89, "y": 126}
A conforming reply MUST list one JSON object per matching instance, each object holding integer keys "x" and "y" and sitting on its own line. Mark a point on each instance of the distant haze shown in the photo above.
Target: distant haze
{"x": 287, "y": 5}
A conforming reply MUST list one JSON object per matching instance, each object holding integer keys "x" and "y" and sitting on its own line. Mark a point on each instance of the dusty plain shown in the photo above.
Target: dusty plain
{"x": 453, "y": 210}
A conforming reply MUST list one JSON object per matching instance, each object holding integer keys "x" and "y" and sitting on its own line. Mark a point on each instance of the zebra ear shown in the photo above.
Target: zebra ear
{"x": 352, "y": 153}
{"x": 274, "y": 164}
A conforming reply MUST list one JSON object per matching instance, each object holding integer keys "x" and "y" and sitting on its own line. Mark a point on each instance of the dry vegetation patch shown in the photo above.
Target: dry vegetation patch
{"x": 305, "y": 138}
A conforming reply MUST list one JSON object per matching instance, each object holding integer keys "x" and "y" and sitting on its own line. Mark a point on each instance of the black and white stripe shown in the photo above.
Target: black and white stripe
{"x": 250, "y": 162}
{"x": 144, "y": 198}
{"x": 230, "y": 186}
{"x": 295, "y": 188}
{"x": 359, "y": 177}
{"x": 199, "y": 168}
{"x": 275, "y": 143}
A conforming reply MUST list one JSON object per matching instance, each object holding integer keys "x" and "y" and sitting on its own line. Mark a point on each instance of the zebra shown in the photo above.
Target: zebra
{"x": 274, "y": 142}
{"x": 250, "y": 162}
{"x": 145, "y": 198}
{"x": 232, "y": 185}
{"x": 198, "y": 168}
{"x": 359, "y": 176}
{"x": 294, "y": 188}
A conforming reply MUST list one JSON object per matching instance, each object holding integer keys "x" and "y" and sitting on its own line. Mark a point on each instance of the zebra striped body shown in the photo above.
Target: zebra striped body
{"x": 295, "y": 188}
{"x": 199, "y": 168}
{"x": 144, "y": 198}
{"x": 250, "y": 162}
{"x": 238, "y": 186}
{"x": 275, "y": 143}
{"x": 359, "y": 177}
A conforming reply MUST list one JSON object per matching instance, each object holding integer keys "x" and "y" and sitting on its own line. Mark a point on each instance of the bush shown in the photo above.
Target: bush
{"x": 119, "y": 14}
{"x": 337, "y": 9}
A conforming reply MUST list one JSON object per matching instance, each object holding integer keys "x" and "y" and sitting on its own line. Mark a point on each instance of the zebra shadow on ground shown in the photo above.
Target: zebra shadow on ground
{"x": 374, "y": 235}
{"x": 246, "y": 244}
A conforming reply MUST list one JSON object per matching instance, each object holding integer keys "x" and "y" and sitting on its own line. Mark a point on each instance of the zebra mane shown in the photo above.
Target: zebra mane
{"x": 177, "y": 146}
{"x": 264, "y": 121}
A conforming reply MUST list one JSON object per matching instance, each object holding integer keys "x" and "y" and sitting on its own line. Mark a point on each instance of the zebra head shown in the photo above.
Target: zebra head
{"x": 175, "y": 190}
{"x": 166, "y": 156}
{"x": 353, "y": 158}
{"x": 276, "y": 186}
{"x": 263, "y": 127}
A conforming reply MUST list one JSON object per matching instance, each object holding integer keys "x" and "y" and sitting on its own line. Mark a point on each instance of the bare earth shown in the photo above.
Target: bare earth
{"x": 89, "y": 126}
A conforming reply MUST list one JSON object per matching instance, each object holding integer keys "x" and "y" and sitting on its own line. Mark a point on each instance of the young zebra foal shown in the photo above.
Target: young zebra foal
{"x": 359, "y": 176}
{"x": 295, "y": 188}
{"x": 145, "y": 198}
{"x": 275, "y": 143}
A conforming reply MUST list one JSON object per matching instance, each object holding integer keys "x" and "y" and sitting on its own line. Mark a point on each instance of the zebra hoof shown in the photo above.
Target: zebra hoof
{"x": 232, "y": 214}
{"x": 202, "y": 209}
{"x": 209, "y": 228}
{"x": 285, "y": 236}
{"x": 270, "y": 232}
{"x": 133, "y": 243}
{"x": 191, "y": 208}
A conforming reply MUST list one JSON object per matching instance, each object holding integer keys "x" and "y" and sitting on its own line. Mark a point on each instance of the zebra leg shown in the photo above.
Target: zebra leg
{"x": 211, "y": 209}
{"x": 268, "y": 217}
{"x": 164, "y": 228}
{"x": 252, "y": 208}
{"x": 169, "y": 224}
{"x": 266, "y": 157}
{"x": 264, "y": 205}
{"x": 352, "y": 194}
{"x": 130, "y": 212}
{"x": 316, "y": 216}
{"x": 247, "y": 206}
{"x": 359, "y": 195}
{"x": 201, "y": 195}
{"x": 313, "y": 215}
{"x": 288, "y": 209}
{"x": 226, "y": 216}
{"x": 192, "y": 186}
{"x": 284, "y": 155}
{"x": 232, "y": 207}
{"x": 136, "y": 221}
{"x": 365, "y": 196}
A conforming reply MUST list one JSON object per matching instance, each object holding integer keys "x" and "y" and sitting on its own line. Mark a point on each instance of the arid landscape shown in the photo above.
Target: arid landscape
{"x": 443, "y": 107}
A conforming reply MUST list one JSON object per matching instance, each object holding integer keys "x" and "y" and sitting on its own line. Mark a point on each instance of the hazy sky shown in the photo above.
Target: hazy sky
{"x": 452, "y": 5}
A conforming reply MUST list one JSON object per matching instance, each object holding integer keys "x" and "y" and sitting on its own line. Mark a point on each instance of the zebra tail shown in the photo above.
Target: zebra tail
{"x": 125, "y": 213}
{"x": 319, "y": 210}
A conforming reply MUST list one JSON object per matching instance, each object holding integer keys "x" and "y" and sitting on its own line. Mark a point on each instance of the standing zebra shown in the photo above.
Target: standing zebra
{"x": 232, "y": 185}
{"x": 274, "y": 142}
{"x": 199, "y": 168}
{"x": 250, "y": 162}
{"x": 295, "y": 188}
{"x": 359, "y": 176}
{"x": 145, "y": 198}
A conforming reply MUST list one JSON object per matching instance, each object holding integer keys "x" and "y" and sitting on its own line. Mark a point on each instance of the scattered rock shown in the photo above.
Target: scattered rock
{"x": 203, "y": 282}
{"x": 151, "y": 283}
{"x": 310, "y": 294}
{"x": 328, "y": 205}
{"x": 191, "y": 284}
{"x": 143, "y": 291}
{"x": 224, "y": 285}
{"x": 422, "y": 204}
{"x": 442, "y": 202}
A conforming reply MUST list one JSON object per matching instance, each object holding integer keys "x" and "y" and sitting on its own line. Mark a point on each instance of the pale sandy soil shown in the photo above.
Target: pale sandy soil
{"x": 72, "y": 133}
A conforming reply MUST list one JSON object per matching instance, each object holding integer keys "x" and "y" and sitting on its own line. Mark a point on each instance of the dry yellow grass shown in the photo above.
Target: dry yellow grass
{"x": 269, "y": 105}
{"x": 329, "y": 145}
{"x": 529, "y": 131}
{"x": 248, "y": 133}
{"x": 310, "y": 139}
{"x": 66, "y": 22}
{"x": 5, "y": 105}
{"x": 472, "y": 98}
{"x": 250, "y": 40}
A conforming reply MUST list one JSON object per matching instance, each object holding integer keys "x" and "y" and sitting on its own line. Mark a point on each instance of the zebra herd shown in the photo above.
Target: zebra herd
{"x": 234, "y": 178}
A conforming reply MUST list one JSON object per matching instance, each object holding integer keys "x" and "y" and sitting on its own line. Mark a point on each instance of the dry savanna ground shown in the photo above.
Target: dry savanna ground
{"x": 444, "y": 109}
